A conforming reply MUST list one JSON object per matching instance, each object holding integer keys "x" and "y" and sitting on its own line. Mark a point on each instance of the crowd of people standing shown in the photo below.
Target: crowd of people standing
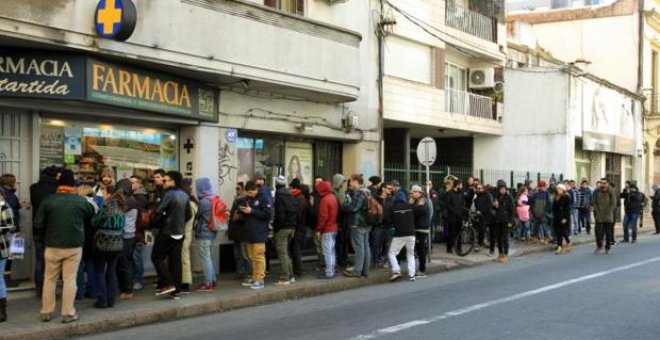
{"x": 93, "y": 238}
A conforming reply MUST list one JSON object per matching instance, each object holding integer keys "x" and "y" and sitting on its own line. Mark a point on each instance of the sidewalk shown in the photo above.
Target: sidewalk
{"x": 146, "y": 309}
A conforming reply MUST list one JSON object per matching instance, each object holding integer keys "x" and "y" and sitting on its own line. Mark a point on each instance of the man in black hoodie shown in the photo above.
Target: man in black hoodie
{"x": 455, "y": 212}
{"x": 634, "y": 202}
{"x": 284, "y": 226}
{"x": 403, "y": 218}
{"x": 46, "y": 186}
{"x": 504, "y": 217}
{"x": 484, "y": 209}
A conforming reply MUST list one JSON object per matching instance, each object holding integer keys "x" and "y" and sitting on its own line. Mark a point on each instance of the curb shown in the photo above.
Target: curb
{"x": 218, "y": 304}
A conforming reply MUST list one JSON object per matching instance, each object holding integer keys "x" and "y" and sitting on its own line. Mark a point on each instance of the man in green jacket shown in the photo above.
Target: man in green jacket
{"x": 604, "y": 201}
{"x": 59, "y": 223}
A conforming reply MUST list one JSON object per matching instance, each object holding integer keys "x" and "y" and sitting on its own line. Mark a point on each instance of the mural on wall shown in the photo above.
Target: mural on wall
{"x": 226, "y": 163}
{"x": 609, "y": 120}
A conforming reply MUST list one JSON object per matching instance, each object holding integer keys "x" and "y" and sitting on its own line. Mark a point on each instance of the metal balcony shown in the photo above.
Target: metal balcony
{"x": 469, "y": 21}
{"x": 468, "y": 104}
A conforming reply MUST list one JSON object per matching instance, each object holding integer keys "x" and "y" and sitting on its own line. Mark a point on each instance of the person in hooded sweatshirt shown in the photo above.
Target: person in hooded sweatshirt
{"x": 126, "y": 264}
{"x": 343, "y": 231}
{"x": 204, "y": 236}
{"x": 403, "y": 218}
{"x": 284, "y": 226}
{"x": 326, "y": 226}
{"x": 504, "y": 218}
{"x": 455, "y": 212}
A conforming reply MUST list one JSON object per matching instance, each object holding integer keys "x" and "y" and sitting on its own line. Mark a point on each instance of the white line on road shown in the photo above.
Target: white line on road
{"x": 458, "y": 312}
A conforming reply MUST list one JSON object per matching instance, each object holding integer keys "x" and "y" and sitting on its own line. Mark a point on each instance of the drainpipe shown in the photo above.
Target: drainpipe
{"x": 381, "y": 71}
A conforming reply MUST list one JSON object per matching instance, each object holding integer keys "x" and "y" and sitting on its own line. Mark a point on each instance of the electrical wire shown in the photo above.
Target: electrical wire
{"x": 426, "y": 27}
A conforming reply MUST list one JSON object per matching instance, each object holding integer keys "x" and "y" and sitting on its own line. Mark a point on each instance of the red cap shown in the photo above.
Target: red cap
{"x": 542, "y": 184}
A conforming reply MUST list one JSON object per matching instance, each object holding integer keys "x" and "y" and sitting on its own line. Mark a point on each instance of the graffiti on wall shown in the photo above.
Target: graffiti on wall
{"x": 226, "y": 163}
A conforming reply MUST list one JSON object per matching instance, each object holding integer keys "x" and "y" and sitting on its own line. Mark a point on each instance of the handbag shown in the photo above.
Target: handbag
{"x": 144, "y": 218}
{"x": 17, "y": 247}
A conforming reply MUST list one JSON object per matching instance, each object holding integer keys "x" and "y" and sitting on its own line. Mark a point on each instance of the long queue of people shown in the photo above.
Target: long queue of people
{"x": 93, "y": 237}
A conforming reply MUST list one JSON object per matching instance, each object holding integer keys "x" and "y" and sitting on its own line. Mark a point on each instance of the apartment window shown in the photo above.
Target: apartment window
{"x": 289, "y": 6}
{"x": 455, "y": 77}
{"x": 407, "y": 59}
{"x": 654, "y": 82}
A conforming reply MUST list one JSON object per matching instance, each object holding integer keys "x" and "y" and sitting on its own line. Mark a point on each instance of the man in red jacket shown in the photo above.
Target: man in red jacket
{"x": 326, "y": 226}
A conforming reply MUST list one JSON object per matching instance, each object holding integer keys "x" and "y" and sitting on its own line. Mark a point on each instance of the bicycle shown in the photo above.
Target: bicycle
{"x": 466, "y": 238}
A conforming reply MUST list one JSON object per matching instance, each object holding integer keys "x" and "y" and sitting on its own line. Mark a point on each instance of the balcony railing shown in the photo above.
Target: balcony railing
{"x": 469, "y": 21}
{"x": 469, "y": 104}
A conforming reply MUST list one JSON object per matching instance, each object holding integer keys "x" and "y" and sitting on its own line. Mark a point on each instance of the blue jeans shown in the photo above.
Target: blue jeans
{"x": 204, "y": 251}
{"x": 243, "y": 263}
{"x": 525, "y": 232}
{"x": 138, "y": 258}
{"x": 377, "y": 243}
{"x": 86, "y": 265}
{"x": 540, "y": 227}
{"x": 585, "y": 220}
{"x": 3, "y": 285}
{"x": 360, "y": 242}
{"x": 106, "y": 278}
{"x": 575, "y": 221}
{"x": 328, "y": 244}
{"x": 630, "y": 222}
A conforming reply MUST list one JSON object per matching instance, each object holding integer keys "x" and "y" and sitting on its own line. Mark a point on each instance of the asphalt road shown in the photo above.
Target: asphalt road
{"x": 575, "y": 296}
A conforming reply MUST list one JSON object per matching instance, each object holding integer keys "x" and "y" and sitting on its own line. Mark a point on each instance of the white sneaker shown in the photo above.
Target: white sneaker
{"x": 395, "y": 276}
{"x": 257, "y": 285}
{"x": 411, "y": 278}
{"x": 292, "y": 280}
{"x": 247, "y": 283}
{"x": 137, "y": 286}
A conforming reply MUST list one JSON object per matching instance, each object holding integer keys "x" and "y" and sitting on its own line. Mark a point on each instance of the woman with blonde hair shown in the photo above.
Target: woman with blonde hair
{"x": 561, "y": 213}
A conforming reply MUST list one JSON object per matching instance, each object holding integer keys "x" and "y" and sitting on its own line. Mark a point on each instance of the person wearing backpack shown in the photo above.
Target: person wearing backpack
{"x": 421, "y": 210}
{"x": 60, "y": 220}
{"x": 541, "y": 205}
{"x": 634, "y": 202}
{"x": 110, "y": 222}
{"x": 355, "y": 206}
{"x": 206, "y": 234}
{"x": 284, "y": 226}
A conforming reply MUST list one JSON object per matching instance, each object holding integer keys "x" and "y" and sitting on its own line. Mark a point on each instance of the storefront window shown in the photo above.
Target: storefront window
{"x": 87, "y": 147}
{"x": 260, "y": 155}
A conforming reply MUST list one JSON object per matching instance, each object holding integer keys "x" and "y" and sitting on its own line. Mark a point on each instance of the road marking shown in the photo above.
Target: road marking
{"x": 462, "y": 311}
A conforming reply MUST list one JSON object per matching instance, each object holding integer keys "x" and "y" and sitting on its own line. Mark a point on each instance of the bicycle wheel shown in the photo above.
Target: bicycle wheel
{"x": 465, "y": 241}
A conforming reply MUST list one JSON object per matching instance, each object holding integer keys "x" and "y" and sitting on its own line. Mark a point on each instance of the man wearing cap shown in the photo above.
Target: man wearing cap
{"x": 375, "y": 185}
{"x": 605, "y": 201}
{"x": 60, "y": 222}
{"x": 541, "y": 207}
{"x": 284, "y": 226}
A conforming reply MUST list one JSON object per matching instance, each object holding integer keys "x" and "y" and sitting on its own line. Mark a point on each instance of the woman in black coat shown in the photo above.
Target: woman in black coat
{"x": 561, "y": 213}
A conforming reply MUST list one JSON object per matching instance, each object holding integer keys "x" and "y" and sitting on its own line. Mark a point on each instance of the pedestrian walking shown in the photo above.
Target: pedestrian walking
{"x": 257, "y": 212}
{"x": 655, "y": 208}
{"x": 605, "y": 202}
{"x": 561, "y": 213}
{"x": 634, "y": 202}
{"x": 284, "y": 226}
{"x": 354, "y": 206}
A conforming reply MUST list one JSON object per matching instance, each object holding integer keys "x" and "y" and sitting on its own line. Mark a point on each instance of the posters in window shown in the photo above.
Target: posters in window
{"x": 51, "y": 146}
{"x": 299, "y": 162}
{"x": 73, "y": 141}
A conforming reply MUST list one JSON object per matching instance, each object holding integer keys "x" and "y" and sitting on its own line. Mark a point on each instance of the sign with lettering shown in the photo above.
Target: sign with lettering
{"x": 44, "y": 75}
{"x": 115, "y": 19}
{"x": 150, "y": 91}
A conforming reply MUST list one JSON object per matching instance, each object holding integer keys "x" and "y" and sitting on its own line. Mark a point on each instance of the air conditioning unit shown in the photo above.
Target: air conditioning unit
{"x": 482, "y": 78}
